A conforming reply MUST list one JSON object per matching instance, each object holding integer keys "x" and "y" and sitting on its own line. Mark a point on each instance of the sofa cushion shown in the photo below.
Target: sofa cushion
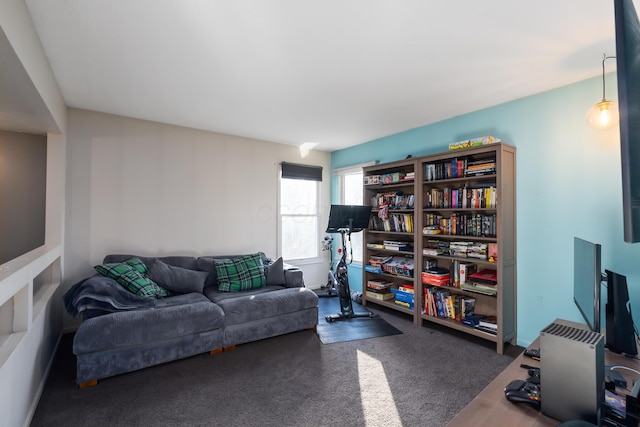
{"x": 176, "y": 279}
{"x": 270, "y": 301}
{"x": 131, "y": 275}
{"x": 275, "y": 272}
{"x": 184, "y": 261}
{"x": 180, "y": 315}
{"x": 240, "y": 274}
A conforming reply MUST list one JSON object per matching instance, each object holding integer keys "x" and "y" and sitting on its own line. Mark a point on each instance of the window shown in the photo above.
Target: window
{"x": 299, "y": 211}
{"x": 350, "y": 187}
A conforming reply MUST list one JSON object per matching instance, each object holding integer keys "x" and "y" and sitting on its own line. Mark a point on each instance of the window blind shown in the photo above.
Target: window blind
{"x": 296, "y": 171}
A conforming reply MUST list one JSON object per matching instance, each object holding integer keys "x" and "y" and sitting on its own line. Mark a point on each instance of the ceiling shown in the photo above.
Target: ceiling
{"x": 334, "y": 72}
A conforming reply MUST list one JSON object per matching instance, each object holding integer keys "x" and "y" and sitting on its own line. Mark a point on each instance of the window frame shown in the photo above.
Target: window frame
{"x": 340, "y": 174}
{"x": 317, "y": 214}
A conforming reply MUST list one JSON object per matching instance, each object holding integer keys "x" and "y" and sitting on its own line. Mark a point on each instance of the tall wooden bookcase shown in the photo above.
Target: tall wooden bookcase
{"x": 443, "y": 190}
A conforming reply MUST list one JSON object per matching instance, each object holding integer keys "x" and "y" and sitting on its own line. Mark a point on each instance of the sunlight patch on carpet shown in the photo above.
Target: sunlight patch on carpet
{"x": 378, "y": 405}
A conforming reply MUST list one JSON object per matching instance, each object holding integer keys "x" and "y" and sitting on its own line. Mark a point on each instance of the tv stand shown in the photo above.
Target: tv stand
{"x": 490, "y": 407}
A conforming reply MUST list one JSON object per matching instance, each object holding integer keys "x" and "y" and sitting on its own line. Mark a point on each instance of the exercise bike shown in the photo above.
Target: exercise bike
{"x": 350, "y": 219}
{"x": 330, "y": 287}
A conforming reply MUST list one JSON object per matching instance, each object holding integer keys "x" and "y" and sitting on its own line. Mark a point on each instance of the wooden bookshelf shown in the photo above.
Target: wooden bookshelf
{"x": 446, "y": 198}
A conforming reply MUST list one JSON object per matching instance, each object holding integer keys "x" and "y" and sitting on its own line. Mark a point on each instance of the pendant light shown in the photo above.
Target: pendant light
{"x": 604, "y": 114}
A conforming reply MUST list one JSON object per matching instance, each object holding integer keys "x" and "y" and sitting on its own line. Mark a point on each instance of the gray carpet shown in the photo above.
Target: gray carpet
{"x": 421, "y": 377}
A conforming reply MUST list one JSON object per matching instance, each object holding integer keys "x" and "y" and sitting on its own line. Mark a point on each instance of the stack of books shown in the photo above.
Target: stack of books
{"x": 488, "y": 324}
{"x": 436, "y": 247}
{"x": 409, "y": 176}
{"x": 379, "y": 290}
{"x": 400, "y": 266}
{"x": 483, "y": 282}
{"x": 404, "y": 296}
{"x": 393, "y": 245}
{"x": 481, "y": 167}
{"x": 436, "y": 276}
{"x": 375, "y": 263}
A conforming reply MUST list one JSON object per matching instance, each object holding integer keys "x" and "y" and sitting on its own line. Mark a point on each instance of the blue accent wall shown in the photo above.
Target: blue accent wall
{"x": 568, "y": 182}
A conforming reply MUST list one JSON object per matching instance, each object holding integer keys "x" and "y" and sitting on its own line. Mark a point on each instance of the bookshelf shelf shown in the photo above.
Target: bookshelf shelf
{"x": 453, "y": 324}
{"x": 460, "y": 237}
{"x": 469, "y": 180}
{"x": 446, "y": 194}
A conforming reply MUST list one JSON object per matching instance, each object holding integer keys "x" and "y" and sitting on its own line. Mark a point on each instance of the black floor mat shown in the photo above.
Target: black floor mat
{"x": 349, "y": 329}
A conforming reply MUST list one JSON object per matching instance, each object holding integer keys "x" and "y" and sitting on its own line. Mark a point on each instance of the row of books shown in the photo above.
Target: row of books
{"x": 380, "y": 290}
{"x": 475, "y": 225}
{"x": 440, "y": 302}
{"x": 481, "y": 167}
{"x": 391, "y": 245}
{"x": 402, "y": 295}
{"x": 462, "y": 198}
{"x": 393, "y": 200}
{"x": 483, "y": 282}
{"x": 463, "y": 249}
{"x": 389, "y": 178}
{"x": 488, "y": 324}
{"x": 397, "y": 265}
{"x": 458, "y": 273}
{"x": 463, "y": 275}
{"x": 394, "y": 222}
{"x": 458, "y": 168}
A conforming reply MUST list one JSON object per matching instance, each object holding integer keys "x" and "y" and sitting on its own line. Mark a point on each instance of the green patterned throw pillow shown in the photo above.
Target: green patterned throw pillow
{"x": 240, "y": 274}
{"x": 131, "y": 275}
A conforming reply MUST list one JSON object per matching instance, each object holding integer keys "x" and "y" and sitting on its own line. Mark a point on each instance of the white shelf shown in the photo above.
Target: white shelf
{"x": 27, "y": 283}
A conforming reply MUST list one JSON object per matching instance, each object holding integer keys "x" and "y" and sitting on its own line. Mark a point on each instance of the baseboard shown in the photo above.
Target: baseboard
{"x": 36, "y": 399}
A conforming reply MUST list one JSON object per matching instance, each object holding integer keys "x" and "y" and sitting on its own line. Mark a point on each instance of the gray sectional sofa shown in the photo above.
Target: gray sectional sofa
{"x": 122, "y": 331}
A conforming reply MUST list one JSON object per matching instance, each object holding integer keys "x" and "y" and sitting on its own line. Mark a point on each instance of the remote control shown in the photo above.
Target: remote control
{"x": 533, "y": 353}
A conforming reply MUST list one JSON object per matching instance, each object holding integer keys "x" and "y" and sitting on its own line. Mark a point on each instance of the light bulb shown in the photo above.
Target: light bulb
{"x": 603, "y": 115}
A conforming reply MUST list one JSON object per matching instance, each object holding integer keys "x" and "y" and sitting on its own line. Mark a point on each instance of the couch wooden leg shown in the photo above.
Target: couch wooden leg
{"x": 231, "y": 347}
{"x": 216, "y": 351}
{"x": 89, "y": 383}
{"x": 314, "y": 328}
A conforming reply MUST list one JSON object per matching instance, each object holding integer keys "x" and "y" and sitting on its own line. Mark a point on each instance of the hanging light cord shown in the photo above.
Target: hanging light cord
{"x": 604, "y": 58}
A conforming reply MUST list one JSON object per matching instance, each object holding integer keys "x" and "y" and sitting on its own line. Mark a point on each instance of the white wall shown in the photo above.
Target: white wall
{"x": 30, "y": 340}
{"x": 147, "y": 188}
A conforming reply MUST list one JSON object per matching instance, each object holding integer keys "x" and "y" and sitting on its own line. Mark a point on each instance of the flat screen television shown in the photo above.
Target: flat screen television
{"x": 587, "y": 281}
{"x": 351, "y": 218}
{"x": 628, "y": 73}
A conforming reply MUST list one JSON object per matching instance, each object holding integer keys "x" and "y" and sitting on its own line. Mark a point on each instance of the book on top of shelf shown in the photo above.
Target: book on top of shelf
{"x": 406, "y": 288}
{"x": 479, "y": 288}
{"x": 380, "y": 296}
{"x": 487, "y": 276}
{"x": 379, "y": 285}
{"x": 378, "y": 260}
{"x": 473, "y": 320}
{"x": 486, "y": 329}
{"x": 489, "y": 322}
{"x": 404, "y": 304}
{"x": 373, "y": 269}
{"x": 375, "y": 246}
{"x": 473, "y": 142}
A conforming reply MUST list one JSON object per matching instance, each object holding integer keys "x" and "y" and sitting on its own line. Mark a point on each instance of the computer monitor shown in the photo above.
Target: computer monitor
{"x": 587, "y": 280}
{"x": 620, "y": 334}
{"x": 351, "y": 218}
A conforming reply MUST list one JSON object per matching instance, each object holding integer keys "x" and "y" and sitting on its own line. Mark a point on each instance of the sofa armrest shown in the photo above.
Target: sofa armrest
{"x": 293, "y": 277}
